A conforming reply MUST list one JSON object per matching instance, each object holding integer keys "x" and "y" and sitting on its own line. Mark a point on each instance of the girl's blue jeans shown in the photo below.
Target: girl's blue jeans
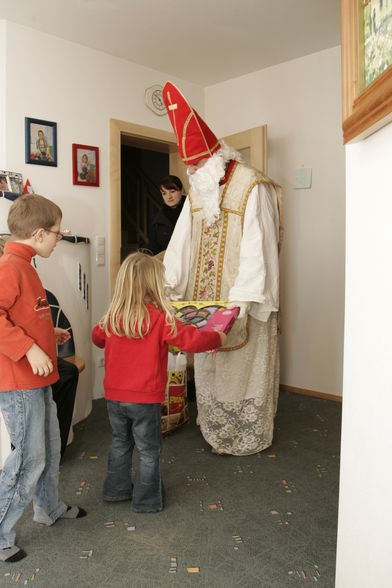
{"x": 31, "y": 471}
{"x": 135, "y": 424}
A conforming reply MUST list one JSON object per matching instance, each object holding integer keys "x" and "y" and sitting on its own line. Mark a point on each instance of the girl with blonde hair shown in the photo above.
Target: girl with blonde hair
{"x": 136, "y": 332}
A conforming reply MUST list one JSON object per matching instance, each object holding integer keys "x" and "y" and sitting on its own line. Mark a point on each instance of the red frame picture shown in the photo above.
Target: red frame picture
{"x": 85, "y": 165}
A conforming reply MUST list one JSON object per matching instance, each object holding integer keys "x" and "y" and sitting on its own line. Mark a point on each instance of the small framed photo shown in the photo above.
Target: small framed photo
{"x": 11, "y": 182}
{"x": 85, "y": 160}
{"x": 41, "y": 142}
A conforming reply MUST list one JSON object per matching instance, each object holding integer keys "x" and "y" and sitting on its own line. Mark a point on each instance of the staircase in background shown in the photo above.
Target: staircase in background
{"x": 140, "y": 200}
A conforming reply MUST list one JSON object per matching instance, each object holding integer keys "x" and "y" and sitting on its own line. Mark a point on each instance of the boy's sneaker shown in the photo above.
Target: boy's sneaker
{"x": 73, "y": 512}
{"x": 12, "y": 554}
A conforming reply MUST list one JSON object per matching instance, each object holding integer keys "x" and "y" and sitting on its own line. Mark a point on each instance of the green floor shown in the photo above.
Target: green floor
{"x": 268, "y": 520}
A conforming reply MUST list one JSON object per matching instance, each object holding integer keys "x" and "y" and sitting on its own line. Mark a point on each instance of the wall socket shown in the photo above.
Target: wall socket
{"x": 101, "y": 362}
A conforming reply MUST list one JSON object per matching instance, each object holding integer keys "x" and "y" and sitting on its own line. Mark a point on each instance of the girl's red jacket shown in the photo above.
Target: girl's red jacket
{"x": 136, "y": 369}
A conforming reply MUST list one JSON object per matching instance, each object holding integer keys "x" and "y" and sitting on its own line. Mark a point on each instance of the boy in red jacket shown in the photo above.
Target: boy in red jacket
{"x": 27, "y": 370}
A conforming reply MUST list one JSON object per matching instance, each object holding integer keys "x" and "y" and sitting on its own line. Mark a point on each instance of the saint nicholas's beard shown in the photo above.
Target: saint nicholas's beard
{"x": 205, "y": 182}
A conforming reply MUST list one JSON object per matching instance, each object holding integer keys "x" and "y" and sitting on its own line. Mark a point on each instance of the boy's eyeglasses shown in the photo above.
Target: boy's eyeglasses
{"x": 59, "y": 234}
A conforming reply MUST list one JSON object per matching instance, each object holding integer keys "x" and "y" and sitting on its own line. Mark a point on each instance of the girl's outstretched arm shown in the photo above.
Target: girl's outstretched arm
{"x": 98, "y": 336}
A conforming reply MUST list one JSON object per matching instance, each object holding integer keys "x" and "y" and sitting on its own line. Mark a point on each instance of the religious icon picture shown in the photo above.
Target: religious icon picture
{"x": 40, "y": 142}
{"x": 85, "y": 160}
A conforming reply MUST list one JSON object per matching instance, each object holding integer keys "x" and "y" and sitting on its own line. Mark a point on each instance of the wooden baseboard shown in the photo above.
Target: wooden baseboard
{"x": 314, "y": 393}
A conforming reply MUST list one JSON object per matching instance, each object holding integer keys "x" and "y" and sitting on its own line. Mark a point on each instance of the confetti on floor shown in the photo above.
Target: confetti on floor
{"x": 109, "y": 525}
{"x": 93, "y": 457}
{"x": 238, "y": 540}
{"x": 321, "y": 471}
{"x": 283, "y": 522}
{"x": 86, "y": 553}
{"x": 173, "y": 565}
{"x": 194, "y": 570}
{"x": 239, "y": 469}
{"x": 216, "y": 506}
{"x": 84, "y": 487}
{"x": 289, "y": 487}
{"x": 169, "y": 460}
{"x": 322, "y": 433}
{"x": 201, "y": 478}
{"x": 303, "y": 574}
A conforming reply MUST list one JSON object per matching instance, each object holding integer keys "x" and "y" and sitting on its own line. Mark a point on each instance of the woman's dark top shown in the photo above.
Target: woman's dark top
{"x": 162, "y": 226}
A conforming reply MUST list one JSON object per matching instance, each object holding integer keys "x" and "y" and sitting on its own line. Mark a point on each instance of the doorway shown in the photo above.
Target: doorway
{"x": 141, "y": 171}
{"x": 137, "y": 137}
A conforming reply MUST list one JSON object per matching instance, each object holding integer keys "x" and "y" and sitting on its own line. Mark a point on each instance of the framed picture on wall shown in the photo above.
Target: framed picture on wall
{"x": 41, "y": 142}
{"x": 366, "y": 66}
{"x": 85, "y": 165}
{"x": 11, "y": 182}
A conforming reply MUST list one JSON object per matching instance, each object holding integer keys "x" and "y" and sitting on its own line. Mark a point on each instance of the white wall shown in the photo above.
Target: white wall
{"x": 2, "y": 93}
{"x": 300, "y": 101}
{"x": 80, "y": 89}
{"x": 365, "y": 519}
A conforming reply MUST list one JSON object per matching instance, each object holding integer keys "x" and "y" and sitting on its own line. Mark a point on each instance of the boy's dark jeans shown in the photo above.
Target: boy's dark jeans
{"x": 135, "y": 424}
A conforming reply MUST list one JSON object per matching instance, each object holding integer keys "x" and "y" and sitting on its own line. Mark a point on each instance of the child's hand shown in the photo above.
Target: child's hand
{"x": 41, "y": 364}
{"x": 62, "y": 335}
{"x": 223, "y": 336}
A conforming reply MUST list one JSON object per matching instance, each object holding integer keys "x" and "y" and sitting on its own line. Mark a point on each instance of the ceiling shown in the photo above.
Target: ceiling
{"x": 202, "y": 41}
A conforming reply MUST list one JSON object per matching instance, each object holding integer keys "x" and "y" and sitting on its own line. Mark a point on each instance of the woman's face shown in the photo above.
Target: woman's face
{"x": 171, "y": 197}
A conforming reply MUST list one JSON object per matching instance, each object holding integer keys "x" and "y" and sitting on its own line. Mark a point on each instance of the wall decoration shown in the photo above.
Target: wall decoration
{"x": 375, "y": 39}
{"x": 154, "y": 100}
{"x": 4, "y": 187}
{"x": 41, "y": 142}
{"x": 366, "y": 67}
{"x": 11, "y": 182}
{"x": 85, "y": 160}
{"x": 28, "y": 188}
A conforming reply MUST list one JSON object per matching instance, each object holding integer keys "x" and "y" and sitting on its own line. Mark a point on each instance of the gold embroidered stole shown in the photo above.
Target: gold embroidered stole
{"x": 215, "y": 250}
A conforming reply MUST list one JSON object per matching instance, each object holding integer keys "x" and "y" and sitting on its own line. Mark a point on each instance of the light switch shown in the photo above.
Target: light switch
{"x": 303, "y": 178}
{"x": 99, "y": 250}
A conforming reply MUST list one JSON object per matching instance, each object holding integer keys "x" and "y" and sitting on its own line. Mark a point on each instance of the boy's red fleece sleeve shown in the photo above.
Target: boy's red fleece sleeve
{"x": 191, "y": 340}
{"x": 14, "y": 343}
{"x": 98, "y": 336}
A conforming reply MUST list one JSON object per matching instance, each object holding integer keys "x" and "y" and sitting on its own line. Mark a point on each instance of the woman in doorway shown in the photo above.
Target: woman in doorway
{"x": 164, "y": 221}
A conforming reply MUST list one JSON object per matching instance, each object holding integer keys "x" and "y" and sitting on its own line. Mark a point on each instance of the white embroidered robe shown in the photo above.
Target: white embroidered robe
{"x": 235, "y": 259}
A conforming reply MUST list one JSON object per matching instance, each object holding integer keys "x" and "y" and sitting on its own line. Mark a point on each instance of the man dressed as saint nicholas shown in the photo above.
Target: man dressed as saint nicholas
{"x": 225, "y": 246}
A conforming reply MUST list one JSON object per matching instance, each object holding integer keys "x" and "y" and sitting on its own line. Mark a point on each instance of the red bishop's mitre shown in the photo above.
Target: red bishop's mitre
{"x": 194, "y": 139}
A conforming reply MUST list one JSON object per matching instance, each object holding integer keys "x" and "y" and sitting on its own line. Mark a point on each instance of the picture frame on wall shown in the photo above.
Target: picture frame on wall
{"x": 11, "y": 182}
{"x": 85, "y": 165}
{"x": 40, "y": 142}
{"x": 366, "y": 67}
